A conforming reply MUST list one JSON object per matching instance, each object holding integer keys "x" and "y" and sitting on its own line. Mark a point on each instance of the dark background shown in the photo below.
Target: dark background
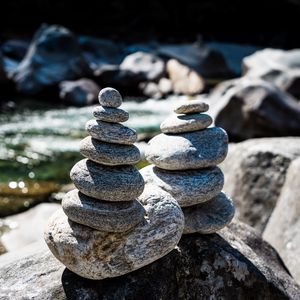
{"x": 273, "y": 23}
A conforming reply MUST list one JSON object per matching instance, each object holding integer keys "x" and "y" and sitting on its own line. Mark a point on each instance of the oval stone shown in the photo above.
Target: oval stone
{"x": 102, "y": 215}
{"x": 109, "y": 154}
{"x": 110, "y": 97}
{"x": 110, "y": 114}
{"x": 188, "y": 187}
{"x": 98, "y": 254}
{"x": 210, "y": 216}
{"x": 120, "y": 183}
{"x": 192, "y": 150}
{"x": 111, "y": 132}
{"x": 185, "y": 123}
{"x": 191, "y": 107}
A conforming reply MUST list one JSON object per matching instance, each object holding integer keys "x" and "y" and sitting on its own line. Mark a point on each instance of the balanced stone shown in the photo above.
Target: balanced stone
{"x": 110, "y": 97}
{"x": 110, "y": 183}
{"x": 98, "y": 254}
{"x": 185, "y": 123}
{"x": 110, "y": 114}
{"x": 188, "y": 188}
{"x": 102, "y": 215}
{"x": 210, "y": 216}
{"x": 192, "y": 150}
{"x": 111, "y": 132}
{"x": 191, "y": 107}
{"x": 109, "y": 154}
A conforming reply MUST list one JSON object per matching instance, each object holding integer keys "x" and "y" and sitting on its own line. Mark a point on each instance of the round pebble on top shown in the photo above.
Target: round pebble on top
{"x": 110, "y": 97}
{"x": 191, "y": 107}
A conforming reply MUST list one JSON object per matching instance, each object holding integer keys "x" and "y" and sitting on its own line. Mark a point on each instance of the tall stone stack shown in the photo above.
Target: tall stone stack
{"x": 103, "y": 230}
{"x": 185, "y": 158}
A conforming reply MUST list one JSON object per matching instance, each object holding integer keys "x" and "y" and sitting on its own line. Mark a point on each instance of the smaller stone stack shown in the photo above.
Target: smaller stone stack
{"x": 185, "y": 158}
{"x": 103, "y": 230}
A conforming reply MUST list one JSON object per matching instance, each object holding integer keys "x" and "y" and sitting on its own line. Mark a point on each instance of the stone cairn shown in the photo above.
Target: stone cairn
{"x": 103, "y": 230}
{"x": 184, "y": 158}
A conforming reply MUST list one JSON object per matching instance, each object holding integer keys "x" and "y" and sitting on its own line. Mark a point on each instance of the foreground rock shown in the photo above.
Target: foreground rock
{"x": 255, "y": 172}
{"x": 53, "y": 56}
{"x": 233, "y": 264}
{"x": 279, "y": 67}
{"x": 257, "y": 109}
{"x": 283, "y": 229}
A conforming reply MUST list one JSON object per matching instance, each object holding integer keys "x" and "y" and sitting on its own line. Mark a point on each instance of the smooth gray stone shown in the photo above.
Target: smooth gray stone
{"x": 111, "y": 133}
{"x": 102, "y": 215}
{"x": 193, "y": 150}
{"x": 185, "y": 123}
{"x": 210, "y": 216}
{"x": 109, "y": 154}
{"x": 110, "y": 97}
{"x": 110, "y": 114}
{"x": 120, "y": 183}
{"x": 98, "y": 254}
{"x": 191, "y": 107}
{"x": 189, "y": 187}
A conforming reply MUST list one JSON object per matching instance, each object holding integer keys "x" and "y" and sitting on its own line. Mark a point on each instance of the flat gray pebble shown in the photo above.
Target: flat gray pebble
{"x": 110, "y": 97}
{"x": 210, "y": 216}
{"x": 189, "y": 187}
{"x": 108, "y": 153}
{"x": 102, "y": 215}
{"x": 191, "y": 107}
{"x": 110, "y": 114}
{"x": 192, "y": 150}
{"x": 111, "y": 132}
{"x": 185, "y": 123}
{"x": 110, "y": 183}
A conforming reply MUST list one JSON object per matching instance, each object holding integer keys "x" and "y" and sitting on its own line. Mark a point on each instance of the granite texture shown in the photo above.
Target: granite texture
{"x": 110, "y": 114}
{"x": 97, "y": 254}
{"x": 110, "y": 97}
{"x": 191, "y": 107}
{"x": 210, "y": 216}
{"x": 102, "y": 215}
{"x": 111, "y": 132}
{"x": 193, "y": 150}
{"x": 185, "y": 123}
{"x": 108, "y": 153}
{"x": 189, "y": 187}
{"x": 121, "y": 183}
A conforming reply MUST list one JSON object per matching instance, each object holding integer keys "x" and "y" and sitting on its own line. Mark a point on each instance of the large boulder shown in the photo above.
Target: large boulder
{"x": 53, "y": 56}
{"x": 248, "y": 108}
{"x": 279, "y": 67}
{"x": 15, "y": 49}
{"x": 283, "y": 229}
{"x": 233, "y": 264}
{"x": 255, "y": 171}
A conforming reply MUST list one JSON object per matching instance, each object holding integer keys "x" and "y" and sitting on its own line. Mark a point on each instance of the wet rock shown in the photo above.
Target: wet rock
{"x": 233, "y": 264}
{"x": 256, "y": 109}
{"x": 255, "y": 171}
{"x": 283, "y": 228}
{"x": 15, "y": 49}
{"x": 53, "y": 56}
{"x": 79, "y": 92}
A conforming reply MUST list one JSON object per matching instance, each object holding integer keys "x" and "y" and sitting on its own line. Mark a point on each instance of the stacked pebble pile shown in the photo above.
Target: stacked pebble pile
{"x": 185, "y": 158}
{"x": 103, "y": 231}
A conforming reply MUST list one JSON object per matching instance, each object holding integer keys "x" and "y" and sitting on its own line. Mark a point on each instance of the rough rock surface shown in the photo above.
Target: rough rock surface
{"x": 185, "y": 123}
{"x": 110, "y": 97}
{"x": 233, "y": 264}
{"x": 255, "y": 172}
{"x": 256, "y": 109}
{"x": 117, "y": 253}
{"x": 283, "y": 229}
{"x": 102, "y": 215}
{"x": 110, "y": 114}
{"x": 110, "y": 183}
{"x": 193, "y": 150}
{"x": 188, "y": 188}
{"x": 210, "y": 216}
{"x": 108, "y": 153}
{"x": 53, "y": 56}
{"x": 191, "y": 107}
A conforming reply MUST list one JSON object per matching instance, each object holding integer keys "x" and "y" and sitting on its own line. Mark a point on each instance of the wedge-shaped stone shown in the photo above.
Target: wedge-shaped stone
{"x": 191, "y": 107}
